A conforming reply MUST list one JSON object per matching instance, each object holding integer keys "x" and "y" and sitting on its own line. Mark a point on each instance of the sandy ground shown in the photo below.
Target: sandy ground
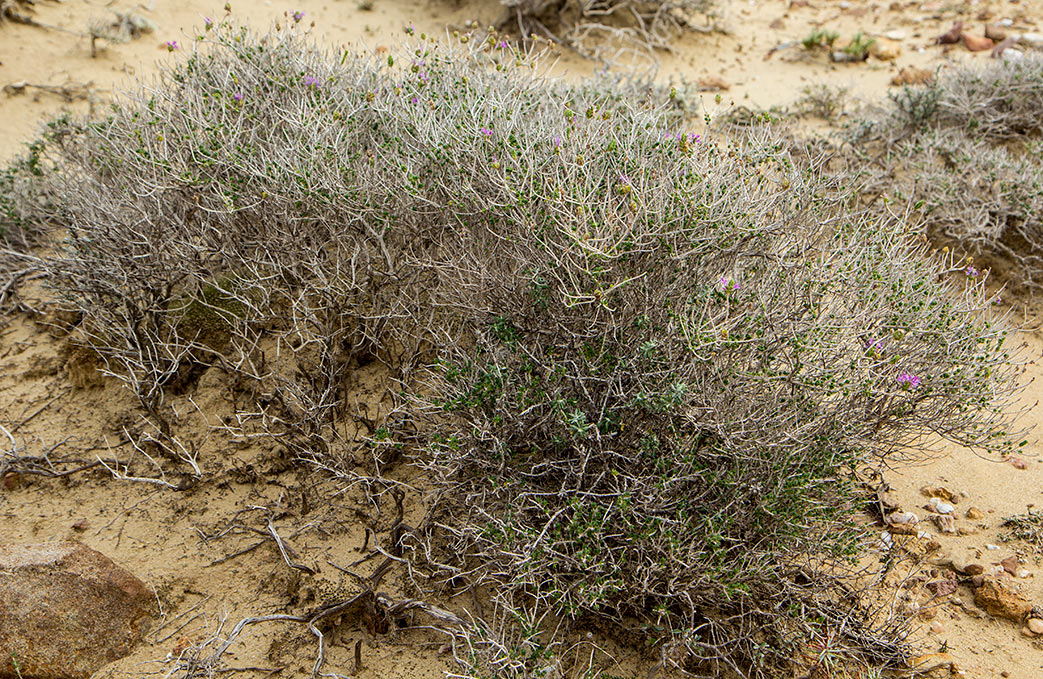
{"x": 170, "y": 539}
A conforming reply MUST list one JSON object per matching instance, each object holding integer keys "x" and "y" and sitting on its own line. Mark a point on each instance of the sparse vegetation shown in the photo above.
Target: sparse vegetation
{"x": 1027, "y": 527}
{"x": 641, "y": 368}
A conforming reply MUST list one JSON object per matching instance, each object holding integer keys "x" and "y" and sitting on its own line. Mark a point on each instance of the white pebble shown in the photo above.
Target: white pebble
{"x": 991, "y": 547}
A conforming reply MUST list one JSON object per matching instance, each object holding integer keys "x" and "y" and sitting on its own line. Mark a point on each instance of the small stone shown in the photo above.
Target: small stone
{"x": 977, "y": 43}
{"x": 1014, "y": 460}
{"x": 974, "y": 514}
{"x": 932, "y": 664}
{"x": 81, "y": 525}
{"x": 910, "y": 75}
{"x": 973, "y": 569}
{"x": 885, "y": 49}
{"x": 1010, "y": 564}
{"x": 952, "y": 36}
{"x": 942, "y": 587}
{"x": 778, "y": 24}
{"x": 1034, "y": 40}
{"x": 1025, "y": 631}
{"x": 1023, "y": 573}
{"x": 1035, "y": 625}
{"x": 941, "y": 507}
{"x": 995, "y": 33}
{"x": 11, "y": 480}
{"x": 937, "y": 627}
{"x": 945, "y": 523}
{"x": 991, "y": 547}
{"x": 713, "y": 83}
{"x": 1000, "y": 598}
{"x": 902, "y": 518}
{"x": 940, "y": 492}
{"x": 896, "y": 35}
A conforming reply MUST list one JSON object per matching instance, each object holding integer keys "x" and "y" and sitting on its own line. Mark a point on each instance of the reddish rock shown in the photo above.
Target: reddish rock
{"x": 66, "y": 610}
{"x": 952, "y": 36}
{"x": 942, "y": 587}
{"x": 1001, "y": 599}
{"x": 977, "y": 43}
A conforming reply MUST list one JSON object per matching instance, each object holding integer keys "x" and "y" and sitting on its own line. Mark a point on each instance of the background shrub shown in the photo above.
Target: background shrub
{"x": 642, "y": 369}
{"x": 624, "y": 25}
{"x": 963, "y": 157}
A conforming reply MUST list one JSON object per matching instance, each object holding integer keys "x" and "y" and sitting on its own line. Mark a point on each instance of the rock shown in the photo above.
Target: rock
{"x": 902, "y": 518}
{"x": 885, "y": 49}
{"x": 713, "y": 83}
{"x": 952, "y": 36}
{"x": 974, "y": 514}
{"x": 977, "y": 43}
{"x": 910, "y": 75}
{"x": 1035, "y": 625}
{"x": 66, "y": 610}
{"x": 81, "y": 525}
{"x": 1016, "y": 462}
{"x": 1025, "y": 631}
{"x": 995, "y": 32}
{"x": 942, "y": 587}
{"x": 1010, "y": 564}
{"x": 974, "y": 569}
{"x": 11, "y": 480}
{"x": 941, "y": 507}
{"x": 1001, "y": 599}
{"x": 945, "y": 523}
{"x": 897, "y": 35}
{"x": 940, "y": 492}
{"x": 1033, "y": 40}
{"x": 932, "y": 665}
{"x": 937, "y": 627}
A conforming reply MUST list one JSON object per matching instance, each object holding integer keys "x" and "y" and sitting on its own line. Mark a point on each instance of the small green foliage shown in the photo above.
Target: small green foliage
{"x": 819, "y": 38}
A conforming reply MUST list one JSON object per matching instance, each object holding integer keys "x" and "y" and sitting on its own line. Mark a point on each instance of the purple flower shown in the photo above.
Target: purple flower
{"x": 487, "y": 132}
{"x": 557, "y": 141}
{"x": 502, "y": 45}
{"x": 423, "y": 76}
{"x": 297, "y": 16}
{"x": 908, "y": 380}
{"x": 311, "y": 81}
{"x": 971, "y": 272}
{"x": 693, "y": 137}
{"x": 998, "y": 301}
{"x": 669, "y": 136}
{"x": 172, "y": 45}
{"x": 874, "y": 345}
{"x": 208, "y": 23}
{"x": 415, "y": 100}
{"x": 728, "y": 284}
{"x": 238, "y": 96}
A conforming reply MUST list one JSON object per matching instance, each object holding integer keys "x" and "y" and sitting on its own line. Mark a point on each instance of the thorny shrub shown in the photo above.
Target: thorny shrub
{"x": 641, "y": 368}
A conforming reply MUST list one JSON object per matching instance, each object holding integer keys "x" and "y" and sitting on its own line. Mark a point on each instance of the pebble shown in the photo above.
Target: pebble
{"x": 1032, "y": 40}
{"x": 974, "y": 514}
{"x": 977, "y": 43}
{"x": 899, "y": 518}
{"x": 1023, "y": 573}
{"x": 941, "y": 507}
{"x": 885, "y": 49}
{"x": 995, "y": 32}
{"x": 1035, "y": 625}
{"x": 945, "y": 523}
{"x": 991, "y": 547}
{"x": 937, "y": 627}
{"x": 897, "y": 36}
